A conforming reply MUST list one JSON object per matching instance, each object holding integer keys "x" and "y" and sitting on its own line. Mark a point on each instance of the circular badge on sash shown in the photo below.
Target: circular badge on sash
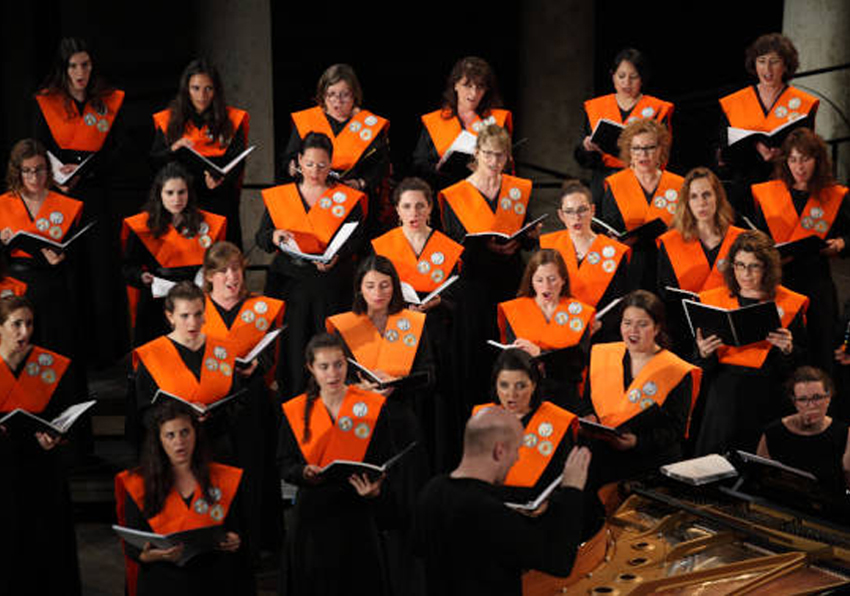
{"x": 32, "y": 369}
{"x": 261, "y": 323}
{"x": 366, "y": 134}
{"x": 370, "y": 120}
{"x": 57, "y": 218}
{"x": 505, "y": 203}
{"x": 338, "y": 211}
{"x": 204, "y": 228}
{"x": 821, "y": 226}
{"x": 217, "y": 513}
{"x": 593, "y": 257}
{"x": 574, "y": 308}
{"x": 102, "y": 125}
{"x": 519, "y": 208}
{"x": 807, "y": 223}
{"x": 671, "y": 195}
{"x": 545, "y": 429}
{"x": 345, "y": 424}
{"x": 211, "y": 364}
{"x": 650, "y": 388}
{"x": 437, "y": 275}
{"x": 41, "y": 224}
{"x": 477, "y": 126}
{"x": 403, "y": 324}
{"x": 90, "y": 119}
{"x": 515, "y": 193}
{"x": 55, "y": 232}
{"x": 205, "y": 241}
{"x": 423, "y": 267}
{"x": 671, "y": 208}
{"x": 490, "y": 120}
{"x": 248, "y": 316}
{"x": 360, "y": 409}
{"x": 362, "y": 431}
{"x": 391, "y": 335}
{"x": 48, "y": 376}
{"x": 816, "y": 212}
{"x": 576, "y": 325}
{"x": 647, "y": 112}
{"x": 260, "y": 307}
{"x": 220, "y": 352}
{"x": 794, "y": 103}
{"x": 201, "y": 507}
{"x": 545, "y": 448}
{"x": 561, "y": 318}
{"x": 608, "y": 252}
{"x": 325, "y": 203}
{"x": 660, "y": 202}
{"x": 45, "y": 359}
{"x": 609, "y": 265}
{"x": 645, "y": 403}
{"x": 354, "y": 126}
{"x": 529, "y": 440}
{"x": 225, "y": 369}
{"x": 339, "y": 197}
{"x": 214, "y": 494}
{"x": 410, "y": 340}
{"x": 781, "y": 111}
{"x": 634, "y": 395}
{"x": 438, "y": 258}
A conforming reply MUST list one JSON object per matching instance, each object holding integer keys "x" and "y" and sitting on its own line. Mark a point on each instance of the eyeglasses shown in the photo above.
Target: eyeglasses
{"x": 341, "y": 96}
{"x": 749, "y": 268}
{"x": 33, "y": 171}
{"x": 579, "y": 212}
{"x": 812, "y": 399}
{"x": 498, "y": 155}
{"x": 644, "y": 148}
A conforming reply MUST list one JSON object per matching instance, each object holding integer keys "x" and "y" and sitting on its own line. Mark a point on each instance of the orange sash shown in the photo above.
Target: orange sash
{"x": 165, "y": 365}
{"x": 428, "y": 270}
{"x": 75, "y": 131}
{"x": 201, "y": 137}
{"x": 9, "y": 286}
{"x": 743, "y": 109}
{"x": 393, "y": 352}
{"x": 54, "y": 218}
{"x": 655, "y": 381}
{"x": 689, "y": 263}
{"x": 313, "y": 230}
{"x": 346, "y": 439}
{"x": 255, "y": 318}
{"x": 589, "y": 280}
{"x": 778, "y": 208}
{"x": 607, "y": 107}
{"x": 631, "y": 201}
{"x": 444, "y": 128}
{"x": 173, "y": 249}
{"x": 788, "y": 304}
{"x": 474, "y": 213}
{"x": 32, "y": 390}
{"x": 566, "y": 327}
{"x": 353, "y": 140}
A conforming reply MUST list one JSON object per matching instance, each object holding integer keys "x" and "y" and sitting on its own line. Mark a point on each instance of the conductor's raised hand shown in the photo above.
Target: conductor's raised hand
{"x": 575, "y": 468}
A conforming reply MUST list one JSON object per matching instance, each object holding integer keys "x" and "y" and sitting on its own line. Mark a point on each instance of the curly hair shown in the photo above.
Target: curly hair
{"x": 642, "y": 126}
{"x": 57, "y": 82}
{"x": 761, "y": 246}
{"x": 544, "y": 256}
{"x": 159, "y": 219}
{"x": 215, "y": 117}
{"x": 684, "y": 220}
{"x": 773, "y": 42}
{"x": 808, "y": 144}
{"x": 475, "y": 70}
{"x": 25, "y": 149}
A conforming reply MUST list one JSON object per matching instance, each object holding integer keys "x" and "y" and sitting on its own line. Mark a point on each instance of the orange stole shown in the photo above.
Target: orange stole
{"x": 313, "y": 230}
{"x": 630, "y": 198}
{"x": 352, "y": 141}
{"x": 165, "y": 365}
{"x": 788, "y": 304}
{"x": 474, "y": 213}
{"x": 444, "y": 128}
{"x": 543, "y": 433}
{"x": 346, "y": 439}
{"x": 173, "y": 249}
{"x": 743, "y": 109}
{"x": 201, "y": 141}
{"x": 564, "y": 329}
{"x": 54, "y": 218}
{"x": 427, "y": 271}
{"x": 589, "y": 280}
{"x": 75, "y": 131}
{"x": 393, "y": 352}
{"x": 256, "y": 317}
{"x": 607, "y": 107}
{"x": 32, "y": 390}
{"x": 655, "y": 381}
{"x": 9, "y": 286}
{"x": 817, "y": 218}
{"x": 689, "y": 263}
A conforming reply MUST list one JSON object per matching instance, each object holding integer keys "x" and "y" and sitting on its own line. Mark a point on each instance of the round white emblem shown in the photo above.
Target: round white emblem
{"x": 647, "y": 112}
{"x": 370, "y": 121}
{"x": 403, "y": 324}
{"x": 574, "y": 308}
{"x": 576, "y": 325}
{"x": 102, "y": 125}
{"x": 90, "y": 119}
{"x": 781, "y": 111}
{"x": 325, "y": 203}
{"x": 671, "y": 195}
{"x": 519, "y": 208}
{"x": 42, "y": 224}
{"x": 561, "y": 318}
{"x": 56, "y": 217}
{"x": 201, "y": 507}
{"x": 338, "y": 211}
{"x": 410, "y": 340}
{"x": 794, "y": 103}
{"x": 816, "y": 212}
{"x": 645, "y": 403}
{"x": 505, "y": 203}
{"x": 609, "y": 266}
{"x": 360, "y": 409}
{"x": 437, "y": 275}
{"x": 545, "y": 429}
{"x": 45, "y": 359}
{"x": 530, "y": 440}
{"x": 211, "y": 364}
{"x": 593, "y": 257}
{"x": 423, "y": 267}
{"x": 203, "y": 228}
{"x": 225, "y": 369}
{"x": 32, "y": 368}
{"x": 248, "y": 316}
{"x": 260, "y": 307}
{"x": 366, "y": 134}
{"x": 205, "y": 241}
{"x": 339, "y": 197}
{"x": 217, "y": 512}
{"x": 515, "y": 193}
{"x": 650, "y": 388}
{"x": 660, "y": 202}
{"x": 55, "y": 232}
{"x": 362, "y": 431}
{"x": 634, "y": 395}
{"x": 391, "y": 335}
{"x": 48, "y": 376}
{"x": 608, "y": 252}
{"x": 220, "y": 352}
{"x": 354, "y": 126}
{"x": 261, "y": 324}
{"x": 438, "y": 258}
{"x": 546, "y": 448}
{"x": 345, "y": 424}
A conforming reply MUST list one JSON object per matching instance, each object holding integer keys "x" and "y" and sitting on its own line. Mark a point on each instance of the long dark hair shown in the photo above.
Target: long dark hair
{"x": 475, "y": 70}
{"x": 154, "y": 465}
{"x": 808, "y": 144}
{"x": 215, "y": 117}
{"x": 318, "y": 342}
{"x": 652, "y": 306}
{"x": 56, "y": 82}
{"x": 382, "y": 265}
{"x": 158, "y": 217}
{"x": 516, "y": 359}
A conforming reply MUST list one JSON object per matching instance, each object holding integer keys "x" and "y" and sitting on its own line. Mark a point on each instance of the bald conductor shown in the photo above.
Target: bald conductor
{"x": 471, "y": 541}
